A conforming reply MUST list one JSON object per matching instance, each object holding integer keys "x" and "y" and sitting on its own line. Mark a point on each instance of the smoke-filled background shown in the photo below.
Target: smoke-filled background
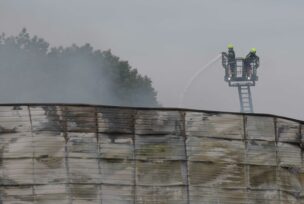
{"x": 34, "y": 72}
{"x": 169, "y": 40}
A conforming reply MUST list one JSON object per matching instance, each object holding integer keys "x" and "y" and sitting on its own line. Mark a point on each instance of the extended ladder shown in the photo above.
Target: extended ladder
{"x": 245, "y": 99}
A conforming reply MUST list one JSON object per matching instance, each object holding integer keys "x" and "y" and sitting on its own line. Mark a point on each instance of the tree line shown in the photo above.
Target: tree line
{"x": 32, "y": 70}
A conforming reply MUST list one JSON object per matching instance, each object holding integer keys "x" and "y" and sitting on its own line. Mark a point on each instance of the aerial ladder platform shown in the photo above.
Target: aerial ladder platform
{"x": 242, "y": 76}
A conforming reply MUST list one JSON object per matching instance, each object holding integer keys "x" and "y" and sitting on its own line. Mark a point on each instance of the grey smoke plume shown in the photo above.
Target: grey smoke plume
{"x": 31, "y": 72}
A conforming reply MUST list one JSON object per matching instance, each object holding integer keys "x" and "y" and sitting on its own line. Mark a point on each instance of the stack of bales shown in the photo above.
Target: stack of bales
{"x": 78, "y": 154}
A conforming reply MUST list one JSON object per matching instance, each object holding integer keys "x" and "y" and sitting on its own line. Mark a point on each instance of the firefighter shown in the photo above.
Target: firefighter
{"x": 251, "y": 62}
{"x": 231, "y": 62}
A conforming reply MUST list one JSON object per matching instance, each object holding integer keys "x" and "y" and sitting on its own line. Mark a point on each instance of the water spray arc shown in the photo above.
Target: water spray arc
{"x": 239, "y": 72}
{"x": 194, "y": 77}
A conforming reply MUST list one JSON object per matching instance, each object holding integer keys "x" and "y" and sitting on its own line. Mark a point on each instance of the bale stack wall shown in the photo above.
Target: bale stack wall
{"x": 78, "y": 154}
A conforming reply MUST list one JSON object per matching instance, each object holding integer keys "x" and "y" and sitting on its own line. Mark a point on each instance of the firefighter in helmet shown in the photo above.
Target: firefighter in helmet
{"x": 231, "y": 62}
{"x": 251, "y": 62}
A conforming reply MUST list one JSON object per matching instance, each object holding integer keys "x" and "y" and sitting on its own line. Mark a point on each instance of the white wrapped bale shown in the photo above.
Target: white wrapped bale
{"x": 167, "y": 147}
{"x": 217, "y": 175}
{"x": 288, "y": 131}
{"x": 119, "y": 172}
{"x": 115, "y": 146}
{"x": 160, "y": 173}
{"x": 115, "y": 121}
{"x": 260, "y": 128}
{"x": 161, "y": 195}
{"x": 115, "y": 194}
{"x": 227, "y": 126}
{"x": 158, "y": 123}
{"x": 215, "y": 150}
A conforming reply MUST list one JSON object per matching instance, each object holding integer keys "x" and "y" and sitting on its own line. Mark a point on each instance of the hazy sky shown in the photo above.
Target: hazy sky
{"x": 169, "y": 40}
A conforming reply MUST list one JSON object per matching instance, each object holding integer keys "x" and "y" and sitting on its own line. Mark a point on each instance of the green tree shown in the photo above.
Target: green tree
{"x": 90, "y": 71}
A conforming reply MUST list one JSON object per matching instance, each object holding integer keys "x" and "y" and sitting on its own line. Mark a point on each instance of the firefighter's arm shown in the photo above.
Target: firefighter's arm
{"x": 224, "y": 60}
{"x": 257, "y": 61}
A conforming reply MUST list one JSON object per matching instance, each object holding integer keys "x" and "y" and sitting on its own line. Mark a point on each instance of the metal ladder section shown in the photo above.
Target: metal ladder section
{"x": 245, "y": 99}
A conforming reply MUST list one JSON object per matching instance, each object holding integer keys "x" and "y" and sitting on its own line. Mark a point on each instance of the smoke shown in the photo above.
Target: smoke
{"x": 76, "y": 82}
{"x": 31, "y": 72}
